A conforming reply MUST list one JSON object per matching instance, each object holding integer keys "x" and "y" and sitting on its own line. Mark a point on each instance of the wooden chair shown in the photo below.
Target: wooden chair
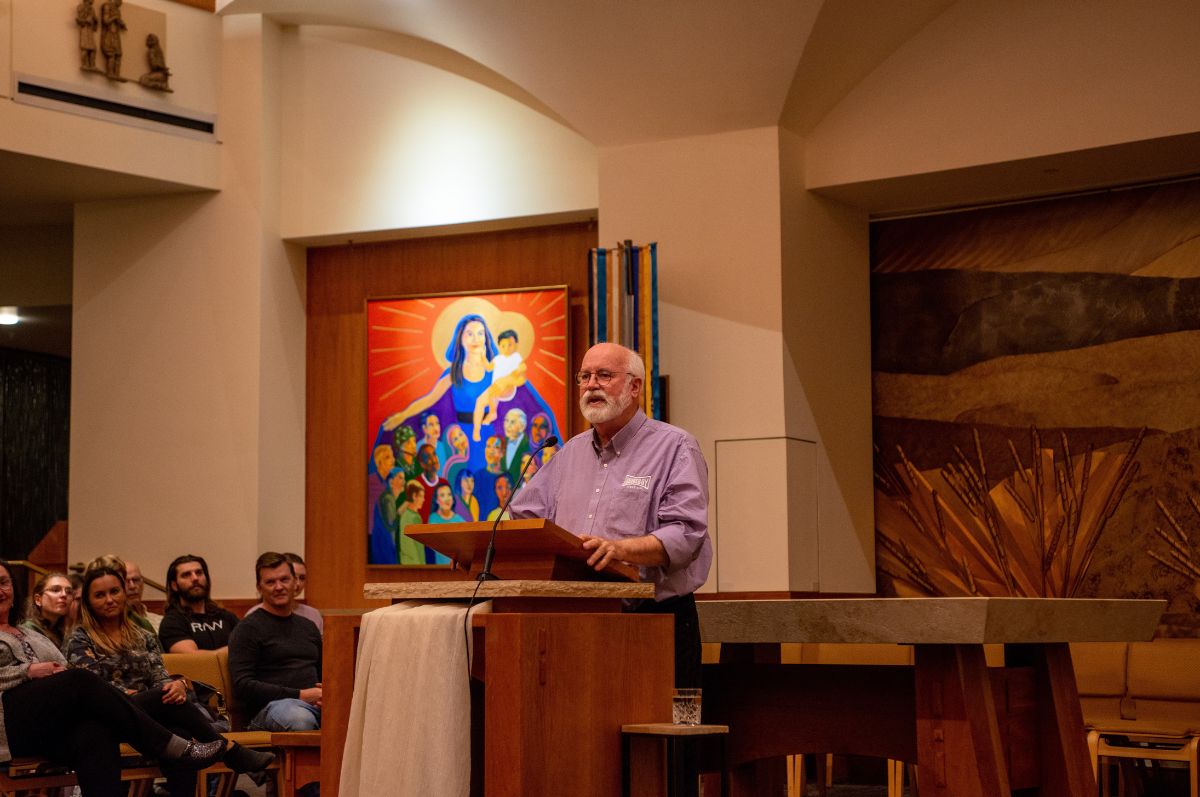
{"x": 1157, "y": 719}
{"x": 212, "y": 668}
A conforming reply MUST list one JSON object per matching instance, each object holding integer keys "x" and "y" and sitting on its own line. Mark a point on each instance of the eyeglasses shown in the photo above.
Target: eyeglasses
{"x": 602, "y": 377}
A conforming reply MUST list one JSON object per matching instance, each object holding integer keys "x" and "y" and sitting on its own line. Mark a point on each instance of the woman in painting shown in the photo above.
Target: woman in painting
{"x": 465, "y": 502}
{"x": 49, "y": 606}
{"x": 444, "y": 502}
{"x": 109, "y": 644}
{"x": 470, "y": 353}
{"x": 460, "y": 452}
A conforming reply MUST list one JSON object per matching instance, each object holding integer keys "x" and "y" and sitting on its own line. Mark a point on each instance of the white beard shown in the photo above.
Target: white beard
{"x": 612, "y": 408}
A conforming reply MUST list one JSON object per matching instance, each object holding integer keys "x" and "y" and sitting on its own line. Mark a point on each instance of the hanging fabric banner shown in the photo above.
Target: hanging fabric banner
{"x": 623, "y": 287}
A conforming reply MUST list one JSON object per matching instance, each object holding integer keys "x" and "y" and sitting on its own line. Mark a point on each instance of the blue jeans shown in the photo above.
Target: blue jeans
{"x": 287, "y": 714}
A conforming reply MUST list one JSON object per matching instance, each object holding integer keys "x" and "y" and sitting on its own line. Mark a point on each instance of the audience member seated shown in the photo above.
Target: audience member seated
{"x": 74, "y": 719}
{"x": 275, "y": 655}
{"x": 48, "y": 608}
{"x": 134, "y": 586}
{"x": 116, "y": 563}
{"x": 193, "y": 621}
{"x": 109, "y": 644}
{"x": 302, "y": 609}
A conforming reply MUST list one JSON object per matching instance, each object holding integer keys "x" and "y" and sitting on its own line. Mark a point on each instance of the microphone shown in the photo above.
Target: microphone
{"x": 486, "y": 573}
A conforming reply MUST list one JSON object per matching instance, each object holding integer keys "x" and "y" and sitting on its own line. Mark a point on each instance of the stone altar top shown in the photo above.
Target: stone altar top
{"x": 453, "y": 590}
{"x": 929, "y": 620}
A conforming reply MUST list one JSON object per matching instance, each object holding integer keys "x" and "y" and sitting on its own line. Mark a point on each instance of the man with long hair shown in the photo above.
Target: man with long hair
{"x": 192, "y": 620}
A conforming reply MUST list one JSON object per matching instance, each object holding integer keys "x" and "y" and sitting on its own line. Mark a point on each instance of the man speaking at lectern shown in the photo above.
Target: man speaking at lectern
{"x": 636, "y": 490}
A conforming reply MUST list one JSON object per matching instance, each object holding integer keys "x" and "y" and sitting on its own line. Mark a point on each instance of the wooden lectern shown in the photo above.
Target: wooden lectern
{"x": 534, "y": 548}
{"x": 560, "y": 666}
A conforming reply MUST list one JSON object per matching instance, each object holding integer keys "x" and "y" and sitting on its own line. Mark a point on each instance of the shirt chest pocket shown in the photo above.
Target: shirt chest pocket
{"x": 630, "y": 511}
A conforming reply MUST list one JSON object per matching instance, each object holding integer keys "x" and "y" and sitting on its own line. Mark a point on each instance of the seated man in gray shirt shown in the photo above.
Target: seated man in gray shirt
{"x": 636, "y": 490}
{"x": 275, "y": 655}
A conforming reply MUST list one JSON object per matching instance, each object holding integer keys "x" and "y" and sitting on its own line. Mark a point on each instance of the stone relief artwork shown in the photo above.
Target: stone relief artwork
{"x": 106, "y": 30}
{"x": 158, "y": 75}
{"x": 112, "y": 26}
{"x": 1037, "y": 423}
{"x": 88, "y": 23}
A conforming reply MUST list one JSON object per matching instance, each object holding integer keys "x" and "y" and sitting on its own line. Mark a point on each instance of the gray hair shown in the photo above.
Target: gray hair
{"x": 520, "y": 414}
{"x": 634, "y": 363}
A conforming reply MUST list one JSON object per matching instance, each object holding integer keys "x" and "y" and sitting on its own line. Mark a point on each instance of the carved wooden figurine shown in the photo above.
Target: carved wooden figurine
{"x": 88, "y": 23}
{"x": 158, "y": 76}
{"x": 110, "y": 39}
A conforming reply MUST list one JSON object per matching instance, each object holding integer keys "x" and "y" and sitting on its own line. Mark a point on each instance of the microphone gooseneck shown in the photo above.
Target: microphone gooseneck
{"x": 486, "y": 574}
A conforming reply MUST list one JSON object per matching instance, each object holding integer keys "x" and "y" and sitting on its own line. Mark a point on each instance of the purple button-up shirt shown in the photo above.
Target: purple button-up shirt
{"x": 650, "y": 479}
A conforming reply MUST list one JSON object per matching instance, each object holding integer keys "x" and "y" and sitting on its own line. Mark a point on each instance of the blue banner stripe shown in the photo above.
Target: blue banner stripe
{"x": 654, "y": 329}
{"x": 601, "y": 297}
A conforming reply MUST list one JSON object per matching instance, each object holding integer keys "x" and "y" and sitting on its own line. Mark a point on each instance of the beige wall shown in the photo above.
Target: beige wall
{"x": 991, "y": 82}
{"x": 765, "y": 335}
{"x": 44, "y": 45}
{"x": 188, "y": 367}
{"x": 377, "y": 140}
{"x": 826, "y": 297}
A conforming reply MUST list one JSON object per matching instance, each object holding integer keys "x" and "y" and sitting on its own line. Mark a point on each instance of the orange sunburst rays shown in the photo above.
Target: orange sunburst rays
{"x": 1032, "y": 533}
{"x": 408, "y": 338}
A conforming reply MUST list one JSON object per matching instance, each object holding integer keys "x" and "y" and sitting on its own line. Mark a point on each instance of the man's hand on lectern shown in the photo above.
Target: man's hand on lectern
{"x": 645, "y": 550}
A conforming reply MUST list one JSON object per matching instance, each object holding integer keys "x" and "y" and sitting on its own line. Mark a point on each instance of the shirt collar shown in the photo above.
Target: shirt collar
{"x": 621, "y": 438}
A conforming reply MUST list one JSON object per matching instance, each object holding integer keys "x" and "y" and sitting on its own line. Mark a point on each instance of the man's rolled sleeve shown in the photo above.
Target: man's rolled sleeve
{"x": 683, "y": 510}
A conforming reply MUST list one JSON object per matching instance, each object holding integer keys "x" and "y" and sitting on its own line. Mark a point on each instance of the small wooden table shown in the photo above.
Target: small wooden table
{"x": 675, "y": 736}
{"x": 973, "y": 732}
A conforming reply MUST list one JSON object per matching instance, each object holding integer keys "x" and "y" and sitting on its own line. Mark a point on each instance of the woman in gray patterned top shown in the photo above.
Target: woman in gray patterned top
{"x": 109, "y": 644}
{"x": 73, "y": 718}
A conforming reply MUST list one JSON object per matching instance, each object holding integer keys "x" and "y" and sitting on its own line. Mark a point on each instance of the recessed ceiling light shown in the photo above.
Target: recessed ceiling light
{"x": 8, "y": 316}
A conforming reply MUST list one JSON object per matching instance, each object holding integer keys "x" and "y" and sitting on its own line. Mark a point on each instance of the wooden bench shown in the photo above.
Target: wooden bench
{"x": 1141, "y": 701}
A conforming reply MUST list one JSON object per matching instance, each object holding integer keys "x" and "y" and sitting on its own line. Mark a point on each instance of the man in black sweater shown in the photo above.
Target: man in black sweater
{"x": 275, "y": 655}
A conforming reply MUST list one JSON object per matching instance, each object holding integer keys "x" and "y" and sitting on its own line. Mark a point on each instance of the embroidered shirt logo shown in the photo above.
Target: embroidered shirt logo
{"x": 637, "y": 481}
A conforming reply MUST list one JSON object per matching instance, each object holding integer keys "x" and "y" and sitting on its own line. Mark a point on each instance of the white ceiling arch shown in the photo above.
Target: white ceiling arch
{"x": 617, "y": 71}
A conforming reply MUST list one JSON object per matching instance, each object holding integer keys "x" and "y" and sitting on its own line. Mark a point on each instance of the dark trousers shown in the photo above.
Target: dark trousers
{"x": 687, "y": 635}
{"x": 74, "y": 718}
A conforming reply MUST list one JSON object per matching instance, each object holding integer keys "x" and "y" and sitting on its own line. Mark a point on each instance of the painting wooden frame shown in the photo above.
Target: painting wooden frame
{"x": 455, "y": 381}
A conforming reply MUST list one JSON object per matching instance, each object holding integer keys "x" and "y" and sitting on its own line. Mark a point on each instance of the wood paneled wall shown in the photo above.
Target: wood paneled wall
{"x": 340, "y": 280}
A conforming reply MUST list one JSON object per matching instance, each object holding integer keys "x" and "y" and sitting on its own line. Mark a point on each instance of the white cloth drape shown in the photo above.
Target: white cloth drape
{"x": 410, "y": 722}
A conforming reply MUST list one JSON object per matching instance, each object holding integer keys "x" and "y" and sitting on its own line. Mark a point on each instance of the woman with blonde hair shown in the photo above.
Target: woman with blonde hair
{"x": 48, "y": 612}
{"x": 108, "y": 643}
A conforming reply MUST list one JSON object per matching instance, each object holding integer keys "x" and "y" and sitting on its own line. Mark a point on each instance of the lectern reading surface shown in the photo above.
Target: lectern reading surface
{"x": 525, "y": 549}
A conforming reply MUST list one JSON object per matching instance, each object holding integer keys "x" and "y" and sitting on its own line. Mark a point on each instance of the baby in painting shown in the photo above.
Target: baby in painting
{"x": 508, "y": 373}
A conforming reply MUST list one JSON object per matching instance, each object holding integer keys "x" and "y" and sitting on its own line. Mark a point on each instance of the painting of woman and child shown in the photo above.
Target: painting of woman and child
{"x": 460, "y": 390}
